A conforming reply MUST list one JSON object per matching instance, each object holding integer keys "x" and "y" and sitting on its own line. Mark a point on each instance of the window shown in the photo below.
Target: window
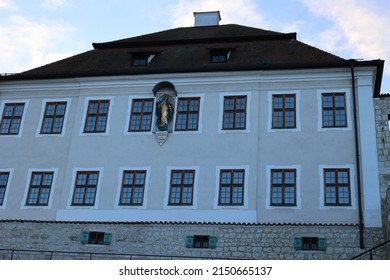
{"x": 39, "y": 190}
{"x": 53, "y": 118}
{"x": 85, "y": 188}
{"x": 97, "y": 115}
{"x": 283, "y": 111}
{"x": 133, "y": 185}
{"x": 283, "y": 187}
{"x": 219, "y": 56}
{"x": 96, "y": 237}
{"x": 231, "y": 187}
{"x": 141, "y": 115}
{"x": 12, "y": 118}
{"x": 234, "y": 112}
{"x": 337, "y": 187}
{"x": 334, "y": 110}
{"x": 310, "y": 243}
{"x": 141, "y": 59}
{"x": 3, "y": 185}
{"x": 187, "y": 116}
{"x": 201, "y": 241}
{"x": 181, "y": 187}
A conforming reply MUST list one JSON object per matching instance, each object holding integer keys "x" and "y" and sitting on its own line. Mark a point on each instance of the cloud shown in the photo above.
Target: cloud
{"x": 53, "y": 4}
{"x": 27, "y": 43}
{"x": 358, "y": 28}
{"x": 7, "y": 5}
{"x": 232, "y": 11}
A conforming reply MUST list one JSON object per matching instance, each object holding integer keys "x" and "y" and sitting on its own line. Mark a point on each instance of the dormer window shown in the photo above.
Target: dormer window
{"x": 141, "y": 59}
{"x": 219, "y": 55}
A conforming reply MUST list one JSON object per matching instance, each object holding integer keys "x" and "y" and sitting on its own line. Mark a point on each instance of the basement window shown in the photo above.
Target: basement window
{"x": 201, "y": 241}
{"x": 96, "y": 238}
{"x": 310, "y": 243}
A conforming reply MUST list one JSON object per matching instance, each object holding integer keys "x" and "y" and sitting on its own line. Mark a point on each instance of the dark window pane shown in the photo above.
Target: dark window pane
{"x": 5, "y": 125}
{"x": 228, "y": 120}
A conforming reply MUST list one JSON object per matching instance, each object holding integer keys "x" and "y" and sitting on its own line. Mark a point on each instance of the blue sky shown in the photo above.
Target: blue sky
{"x": 37, "y": 32}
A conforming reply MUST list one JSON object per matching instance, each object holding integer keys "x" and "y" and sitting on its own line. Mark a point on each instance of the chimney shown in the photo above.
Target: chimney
{"x": 207, "y": 18}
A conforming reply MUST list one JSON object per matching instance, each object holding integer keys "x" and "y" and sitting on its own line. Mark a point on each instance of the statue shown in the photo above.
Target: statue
{"x": 164, "y": 113}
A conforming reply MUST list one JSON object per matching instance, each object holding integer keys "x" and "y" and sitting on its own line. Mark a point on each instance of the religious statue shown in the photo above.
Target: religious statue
{"x": 164, "y": 113}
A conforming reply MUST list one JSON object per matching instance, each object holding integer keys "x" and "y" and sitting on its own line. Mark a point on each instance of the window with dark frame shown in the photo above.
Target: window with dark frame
{"x": 85, "y": 188}
{"x": 181, "y": 187}
{"x": 231, "y": 187}
{"x": 133, "y": 185}
{"x": 337, "y": 187}
{"x": 96, "y": 238}
{"x": 283, "y": 111}
{"x": 53, "y": 118}
{"x": 283, "y": 187}
{"x": 97, "y": 115}
{"x": 3, "y": 185}
{"x": 219, "y": 56}
{"x": 11, "y": 119}
{"x": 141, "y": 115}
{"x": 310, "y": 243}
{"x": 187, "y": 116}
{"x": 141, "y": 59}
{"x": 334, "y": 113}
{"x": 39, "y": 189}
{"x": 201, "y": 241}
{"x": 234, "y": 112}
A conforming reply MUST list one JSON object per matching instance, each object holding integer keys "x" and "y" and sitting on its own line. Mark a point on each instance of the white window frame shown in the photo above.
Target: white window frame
{"x": 297, "y": 94}
{"x": 168, "y": 185}
{"x": 217, "y": 185}
{"x": 348, "y": 104}
{"x": 222, "y": 96}
{"x": 52, "y": 188}
{"x": 297, "y": 169}
{"x": 7, "y": 187}
{"x": 2, "y": 106}
{"x": 351, "y": 168}
{"x": 44, "y": 102}
{"x": 85, "y": 110}
{"x": 146, "y": 188}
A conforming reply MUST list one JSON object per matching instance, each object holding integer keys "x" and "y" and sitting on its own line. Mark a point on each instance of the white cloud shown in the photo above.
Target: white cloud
{"x": 358, "y": 28}
{"x": 232, "y": 11}
{"x": 53, "y": 4}
{"x": 7, "y": 5}
{"x": 27, "y": 43}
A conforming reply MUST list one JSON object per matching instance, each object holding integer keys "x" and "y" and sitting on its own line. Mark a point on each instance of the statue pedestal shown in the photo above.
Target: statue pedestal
{"x": 161, "y": 137}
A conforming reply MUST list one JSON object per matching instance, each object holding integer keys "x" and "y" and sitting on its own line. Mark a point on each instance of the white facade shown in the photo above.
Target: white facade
{"x": 258, "y": 149}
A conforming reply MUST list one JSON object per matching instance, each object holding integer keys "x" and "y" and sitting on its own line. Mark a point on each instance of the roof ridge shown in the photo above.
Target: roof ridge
{"x": 197, "y": 34}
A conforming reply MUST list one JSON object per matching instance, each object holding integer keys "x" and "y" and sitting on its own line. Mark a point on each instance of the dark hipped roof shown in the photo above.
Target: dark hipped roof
{"x": 182, "y": 50}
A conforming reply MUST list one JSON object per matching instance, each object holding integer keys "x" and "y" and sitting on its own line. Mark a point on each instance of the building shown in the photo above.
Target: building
{"x": 212, "y": 141}
{"x": 382, "y": 113}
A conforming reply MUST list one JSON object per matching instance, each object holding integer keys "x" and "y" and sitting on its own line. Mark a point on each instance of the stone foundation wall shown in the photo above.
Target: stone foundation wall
{"x": 165, "y": 240}
{"x": 382, "y": 113}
